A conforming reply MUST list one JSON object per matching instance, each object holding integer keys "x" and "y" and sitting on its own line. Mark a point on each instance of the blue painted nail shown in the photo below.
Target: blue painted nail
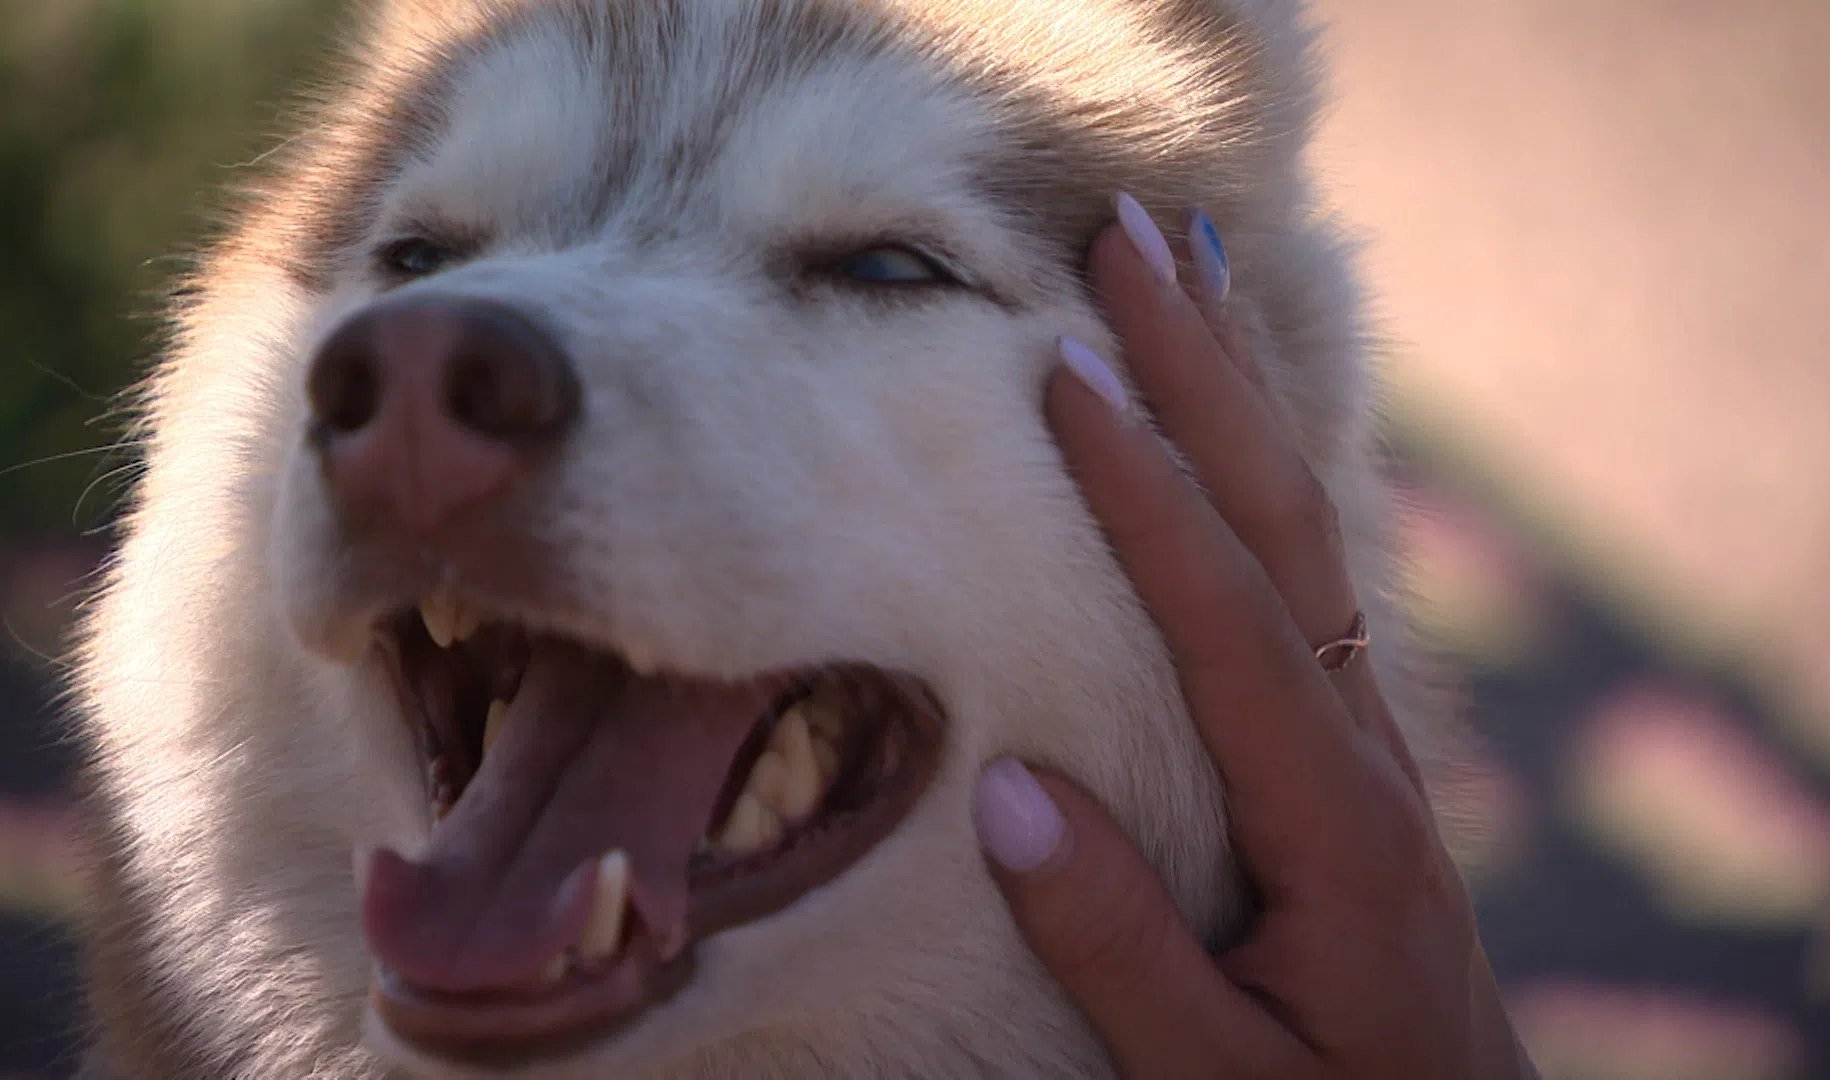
{"x": 1211, "y": 262}
{"x": 1095, "y": 373}
{"x": 1210, "y": 257}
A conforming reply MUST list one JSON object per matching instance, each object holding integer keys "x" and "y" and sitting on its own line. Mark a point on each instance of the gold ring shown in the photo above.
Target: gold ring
{"x": 1337, "y": 655}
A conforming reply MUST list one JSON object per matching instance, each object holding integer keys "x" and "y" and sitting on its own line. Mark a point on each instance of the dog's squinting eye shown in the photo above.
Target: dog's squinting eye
{"x": 414, "y": 258}
{"x": 892, "y": 266}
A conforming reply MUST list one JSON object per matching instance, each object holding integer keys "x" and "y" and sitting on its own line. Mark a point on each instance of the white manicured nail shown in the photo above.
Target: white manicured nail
{"x": 1019, "y": 826}
{"x": 1152, "y": 246}
{"x": 1095, "y": 373}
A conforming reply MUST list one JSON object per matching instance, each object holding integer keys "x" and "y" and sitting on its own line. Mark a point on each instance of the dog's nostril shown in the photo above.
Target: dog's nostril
{"x": 465, "y": 366}
{"x": 506, "y": 381}
{"x": 344, "y": 388}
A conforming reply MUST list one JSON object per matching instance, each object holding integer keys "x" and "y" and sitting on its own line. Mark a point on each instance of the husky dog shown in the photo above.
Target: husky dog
{"x": 598, "y": 521}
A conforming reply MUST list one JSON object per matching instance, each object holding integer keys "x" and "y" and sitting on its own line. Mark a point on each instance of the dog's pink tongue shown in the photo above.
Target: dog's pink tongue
{"x": 591, "y": 759}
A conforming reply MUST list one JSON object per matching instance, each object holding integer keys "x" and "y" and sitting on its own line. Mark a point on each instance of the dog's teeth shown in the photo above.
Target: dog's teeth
{"x": 824, "y": 719}
{"x": 786, "y": 777}
{"x": 801, "y": 786}
{"x": 768, "y": 781}
{"x": 492, "y": 724}
{"x": 825, "y": 726}
{"x": 469, "y": 621}
{"x": 826, "y": 757}
{"x": 442, "y": 612}
{"x": 751, "y": 827}
{"x": 604, "y": 933}
{"x": 448, "y": 618}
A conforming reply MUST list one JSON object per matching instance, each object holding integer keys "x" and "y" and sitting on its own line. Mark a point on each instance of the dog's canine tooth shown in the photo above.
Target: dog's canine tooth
{"x": 786, "y": 777}
{"x": 801, "y": 785}
{"x": 469, "y": 621}
{"x": 605, "y": 930}
{"x": 768, "y": 781}
{"x": 751, "y": 827}
{"x": 492, "y": 724}
{"x": 442, "y": 612}
{"x": 824, "y": 723}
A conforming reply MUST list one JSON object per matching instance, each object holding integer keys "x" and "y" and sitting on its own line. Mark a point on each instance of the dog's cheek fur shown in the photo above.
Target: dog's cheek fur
{"x": 879, "y": 485}
{"x": 215, "y": 890}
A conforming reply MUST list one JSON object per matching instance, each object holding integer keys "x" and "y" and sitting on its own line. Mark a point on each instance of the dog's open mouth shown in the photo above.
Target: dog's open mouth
{"x": 593, "y": 823}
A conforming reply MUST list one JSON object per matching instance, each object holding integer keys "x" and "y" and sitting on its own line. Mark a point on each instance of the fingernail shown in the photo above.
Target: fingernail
{"x": 1019, "y": 826}
{"x": 1095, "y": 373}
{"x": 1146, "y": 238}
{"x": 1211, "y": 263}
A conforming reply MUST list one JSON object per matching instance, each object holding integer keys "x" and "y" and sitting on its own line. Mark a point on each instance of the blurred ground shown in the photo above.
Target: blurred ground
{"x": 1599, "y": 234}
{"x": 1600, "y": 238}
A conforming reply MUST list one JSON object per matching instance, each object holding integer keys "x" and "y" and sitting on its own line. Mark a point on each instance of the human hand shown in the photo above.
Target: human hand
{"x": 1364, "y": 961}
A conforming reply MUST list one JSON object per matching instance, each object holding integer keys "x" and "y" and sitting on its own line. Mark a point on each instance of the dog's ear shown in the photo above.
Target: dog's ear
{"x": 1273, "y": 40}
{"x": 407, "y": 9}
{"x": 1285, "y": 29}
{"x": 1281, "y": 16}
{"x": 424, "y": 19}
{"x": 386, "y": 28}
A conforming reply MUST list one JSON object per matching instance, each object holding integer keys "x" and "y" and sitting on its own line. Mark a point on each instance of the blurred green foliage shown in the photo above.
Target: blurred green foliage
{"x": 117, "y": 119}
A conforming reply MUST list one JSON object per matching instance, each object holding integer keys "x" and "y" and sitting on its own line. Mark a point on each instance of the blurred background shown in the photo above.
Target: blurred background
{"x": 1600, "y": 236}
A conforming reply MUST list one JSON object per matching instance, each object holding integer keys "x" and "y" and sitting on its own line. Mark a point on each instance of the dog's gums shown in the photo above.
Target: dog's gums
{"x": 591, "y": 822}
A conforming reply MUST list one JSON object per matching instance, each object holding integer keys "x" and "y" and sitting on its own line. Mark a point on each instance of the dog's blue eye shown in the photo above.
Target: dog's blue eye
{"x": 891, "y": 266}
{"x": 414, "y": 258}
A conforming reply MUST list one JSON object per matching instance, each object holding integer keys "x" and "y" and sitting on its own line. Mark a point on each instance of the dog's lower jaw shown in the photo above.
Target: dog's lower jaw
{"x": 301, "y": 975}
{"x": 911, "y": 1013}
{"x": 1039, "y": 1034}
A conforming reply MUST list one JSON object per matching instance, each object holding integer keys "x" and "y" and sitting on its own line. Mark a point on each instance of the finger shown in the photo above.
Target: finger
{"x": 1306, "y": 781}
{"x": 1270, "y": 497}
{"x": 1210, "y": 289}
{"x": 1241, "y": 450}
{"x": 1100, "y": 920}
{"x": 1208, "y": 393}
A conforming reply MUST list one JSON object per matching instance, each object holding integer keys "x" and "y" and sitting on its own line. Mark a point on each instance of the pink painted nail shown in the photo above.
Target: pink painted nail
{"x": 1095, "y": 373}
{"x": 1149, "y": 241}
{"x": 1019, "y": 826}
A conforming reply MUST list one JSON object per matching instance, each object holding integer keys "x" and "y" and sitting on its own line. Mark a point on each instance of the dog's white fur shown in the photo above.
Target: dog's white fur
{"x": 768, "y": 475}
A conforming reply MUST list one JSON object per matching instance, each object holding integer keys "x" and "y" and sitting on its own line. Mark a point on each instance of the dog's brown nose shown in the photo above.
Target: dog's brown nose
{"x": 424, "y": 408}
